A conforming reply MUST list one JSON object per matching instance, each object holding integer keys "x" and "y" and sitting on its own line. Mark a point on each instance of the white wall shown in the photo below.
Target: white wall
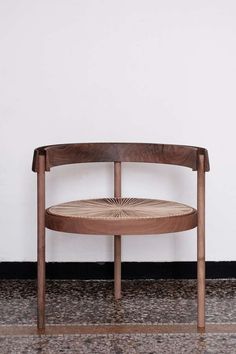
{"x": 127, "y": 70}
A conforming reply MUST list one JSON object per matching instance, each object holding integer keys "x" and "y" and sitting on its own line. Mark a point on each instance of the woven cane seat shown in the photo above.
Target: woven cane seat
{"x": 111, "y": 216}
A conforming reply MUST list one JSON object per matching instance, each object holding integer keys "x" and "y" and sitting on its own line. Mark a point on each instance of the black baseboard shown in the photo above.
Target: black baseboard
{"x": 130, "y": 270}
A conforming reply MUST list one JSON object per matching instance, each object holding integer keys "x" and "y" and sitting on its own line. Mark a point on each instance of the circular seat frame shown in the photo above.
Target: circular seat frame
{"x": 121, "y": 216}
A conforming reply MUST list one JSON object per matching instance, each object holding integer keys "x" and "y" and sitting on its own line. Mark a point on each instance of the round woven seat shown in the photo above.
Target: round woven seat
{"x": 125, "y": 216}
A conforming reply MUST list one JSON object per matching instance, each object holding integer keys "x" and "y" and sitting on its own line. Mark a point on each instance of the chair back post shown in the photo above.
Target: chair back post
{"x": 201, "y": 240}
{"x": 117, "y": 238}
{"x": 117, "y": 179}
{"x": 41, "y": 240}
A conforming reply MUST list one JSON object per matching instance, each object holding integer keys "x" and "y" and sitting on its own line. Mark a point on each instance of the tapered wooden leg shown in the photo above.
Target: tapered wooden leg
{"x": 117, "y": 238}
{"x": 201, "y": 243}
{"x": 117, "y": 267}
{"x": 41, "y": 242}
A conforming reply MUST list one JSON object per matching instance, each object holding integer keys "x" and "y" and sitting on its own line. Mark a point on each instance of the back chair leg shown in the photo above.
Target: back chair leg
{"x": 41, "y": 243}
{"x": 201, "y": 243}
{"x": 117, "y": 266}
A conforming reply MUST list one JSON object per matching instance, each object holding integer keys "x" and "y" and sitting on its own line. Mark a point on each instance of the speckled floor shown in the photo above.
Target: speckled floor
{"x": 143, "y": 302}
{"x": 121, "y": 344}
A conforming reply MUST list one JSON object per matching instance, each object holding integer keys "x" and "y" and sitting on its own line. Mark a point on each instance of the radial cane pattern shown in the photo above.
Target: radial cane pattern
{"x": 122, "y": 208}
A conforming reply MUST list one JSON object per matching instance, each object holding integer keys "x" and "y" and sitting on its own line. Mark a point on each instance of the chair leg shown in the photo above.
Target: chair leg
{"x": 117, "y": 238}
{"x": 117, "y": 266}
{"x": 41, "y": 282}
{"x": 201, "y": 282}
{"x": 41, "y": 244}
{"x": 201, "y": 244}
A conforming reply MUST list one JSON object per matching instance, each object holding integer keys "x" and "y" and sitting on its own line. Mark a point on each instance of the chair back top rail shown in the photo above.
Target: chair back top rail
{"x": 63, "y": 154}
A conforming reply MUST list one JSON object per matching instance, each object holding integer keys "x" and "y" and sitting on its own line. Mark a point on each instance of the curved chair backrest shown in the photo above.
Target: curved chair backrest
{"x": 63, "y": 154}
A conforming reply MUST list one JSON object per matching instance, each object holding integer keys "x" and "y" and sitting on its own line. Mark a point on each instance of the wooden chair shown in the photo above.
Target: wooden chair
{"x": 121, "y": 216}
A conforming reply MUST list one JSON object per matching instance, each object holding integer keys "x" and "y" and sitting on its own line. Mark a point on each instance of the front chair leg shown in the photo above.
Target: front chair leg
{"x": 41, "y": 244}
{"x": 201, "y": 243}
{"x": 41, "y": 282}
{"x": 201, "y": 283}
{"x": 117, "y": 238}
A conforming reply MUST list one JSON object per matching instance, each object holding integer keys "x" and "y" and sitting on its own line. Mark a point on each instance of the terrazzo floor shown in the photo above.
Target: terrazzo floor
{"x": 146, "y": 302}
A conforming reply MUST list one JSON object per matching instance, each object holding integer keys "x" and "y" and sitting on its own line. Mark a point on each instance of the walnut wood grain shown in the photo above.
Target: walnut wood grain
{"x": 121, "y": 216}
{"x": 57, "y": 155}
